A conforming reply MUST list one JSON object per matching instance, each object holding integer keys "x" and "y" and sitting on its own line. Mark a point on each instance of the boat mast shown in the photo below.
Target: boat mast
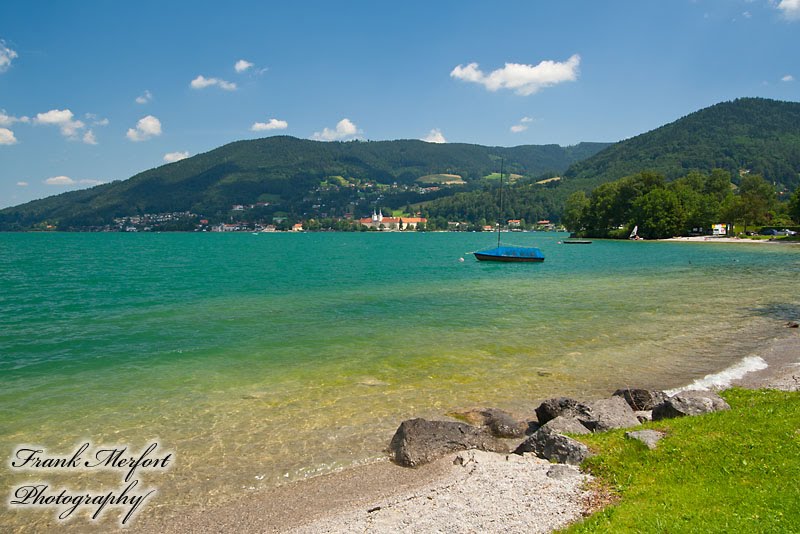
{"x": 500, "y": 219}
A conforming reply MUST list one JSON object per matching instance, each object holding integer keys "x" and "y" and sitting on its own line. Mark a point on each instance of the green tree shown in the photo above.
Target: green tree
{"x": 658, "y": 214}
{"x": 758, "y": 198}
{"x": 577, "y": 203}
{"x": 794, "y": 206}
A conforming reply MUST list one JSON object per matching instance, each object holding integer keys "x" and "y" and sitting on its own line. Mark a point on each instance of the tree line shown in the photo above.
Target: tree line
{"x": 690, "y": 204}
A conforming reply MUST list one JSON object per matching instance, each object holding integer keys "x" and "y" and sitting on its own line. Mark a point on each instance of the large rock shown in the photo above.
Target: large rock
{"x": 500, "y": 423}
{"x": 566, "y": 425}
{"x": 689, "y": 403}
{"x": 641, "y": 400}
{"x": 552, "y": 408}
{"x": 607, "y": 414}
{"x": 418, "y": 441}
{"x": 504, "y": 425}
{"x": 548, "y": 444}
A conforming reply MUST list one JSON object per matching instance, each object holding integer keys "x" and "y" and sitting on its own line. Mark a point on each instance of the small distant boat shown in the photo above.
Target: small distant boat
{"x": 508, "y": 253}
{"x": 577, "y": 242}
{"x": 635, "y": 234}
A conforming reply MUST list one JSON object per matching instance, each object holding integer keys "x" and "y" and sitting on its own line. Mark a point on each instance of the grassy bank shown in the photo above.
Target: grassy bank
{"x": 733, "y": 471}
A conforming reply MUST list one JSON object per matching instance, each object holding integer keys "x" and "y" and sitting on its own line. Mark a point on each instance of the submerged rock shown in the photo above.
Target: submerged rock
{"x": 418, "y": 441}
{"x": 689, "y": 403}
{"x": 500, "y": 423}
{"x": 548, "y": 444}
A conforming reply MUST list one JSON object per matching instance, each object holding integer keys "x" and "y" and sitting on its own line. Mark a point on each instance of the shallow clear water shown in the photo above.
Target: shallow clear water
{"x": 264, "y": 358}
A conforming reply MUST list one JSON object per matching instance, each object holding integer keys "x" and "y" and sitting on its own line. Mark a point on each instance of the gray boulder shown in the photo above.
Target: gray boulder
{"x": 548, "y": 444}
{"x": 689, "y": 403}
{"x": 552, "y": 408}
{"x": 641, "y": 399}
{"x": 648, "y": 437}
{"x": 418, "y": 441}
{"x": 566, "y": 425}
{"x": 500, "y": 423}
{"x": 504, "y": 425}
{"x": 607, "y": 414}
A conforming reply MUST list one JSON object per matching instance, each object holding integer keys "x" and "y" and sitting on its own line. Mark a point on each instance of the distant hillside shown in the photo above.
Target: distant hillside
{"x": 752, "y": 135}
{"x": 292, "y": 176}
{"x": 746, "y": 136}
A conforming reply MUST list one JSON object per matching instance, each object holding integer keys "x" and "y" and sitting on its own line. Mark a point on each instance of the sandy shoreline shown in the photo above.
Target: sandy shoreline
{"x": 491, "y": 493}
{"x": 712, "y": 239}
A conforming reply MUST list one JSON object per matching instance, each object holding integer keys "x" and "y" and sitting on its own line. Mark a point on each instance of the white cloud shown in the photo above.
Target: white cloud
{"x": 273, "y": 124}
{"x": 6, "y": 56}
{"x": 242, "y": 65}
{"x": 60, "y": 180}
{"x": 747, "y": 15}
{"x": 64, "y": 119}
{"x": 790, "y": 8}
{"x": 522, "y": 125}
{"x": 788, "y": 78}
{"x": 524, "y": 79}
{"x": 435, "y": 136}
{"x": 172, "y": 157}
{"x": 147, "y": 128}
{"x": 89, "y": 138}
{"x": 201, "y": 82}
{"x": 8, "y": 120}
{"x": 22, "y": 184}
{"x": 344, "y": 128}
{"x": 144, "y": 98}
{"x": 7, "y": 137}
{"x": 67, "y": 181}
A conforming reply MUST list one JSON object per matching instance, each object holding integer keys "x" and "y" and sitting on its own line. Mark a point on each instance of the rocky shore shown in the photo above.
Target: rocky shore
{"x": 485, "y": 472}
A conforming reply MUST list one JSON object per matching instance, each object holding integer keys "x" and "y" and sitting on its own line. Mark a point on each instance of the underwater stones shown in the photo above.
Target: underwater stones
{"x": 500, "y": 423}
{"x": 419, "y": 441}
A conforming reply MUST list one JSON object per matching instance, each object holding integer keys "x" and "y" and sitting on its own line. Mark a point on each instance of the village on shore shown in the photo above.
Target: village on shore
{"x": 191, "y": 222}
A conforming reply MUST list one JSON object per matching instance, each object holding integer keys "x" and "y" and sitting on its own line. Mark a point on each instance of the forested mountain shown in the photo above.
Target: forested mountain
{"x": 305, "y": 179}
{"x": 748, "y": 135}
{"x": 301, "y": 178}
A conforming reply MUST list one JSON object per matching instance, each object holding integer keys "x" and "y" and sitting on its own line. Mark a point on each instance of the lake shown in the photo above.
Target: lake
{"x": 259, "y": 359}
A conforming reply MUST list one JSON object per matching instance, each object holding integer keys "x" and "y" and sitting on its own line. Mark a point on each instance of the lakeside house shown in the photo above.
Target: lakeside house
{"x": 379, "y": 222}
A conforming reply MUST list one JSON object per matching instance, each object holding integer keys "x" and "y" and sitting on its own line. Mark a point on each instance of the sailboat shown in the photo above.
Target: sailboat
{"x": 510, "y": 253}
{"x": 635, "y": 234}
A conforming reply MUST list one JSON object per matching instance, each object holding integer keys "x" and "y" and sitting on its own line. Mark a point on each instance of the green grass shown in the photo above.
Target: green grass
{"x": 733, "y": 471}
{"x": 508, "y": 178}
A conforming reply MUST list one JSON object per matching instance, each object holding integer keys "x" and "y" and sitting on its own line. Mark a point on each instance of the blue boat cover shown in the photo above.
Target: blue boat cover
{"x": 505, "y": 251}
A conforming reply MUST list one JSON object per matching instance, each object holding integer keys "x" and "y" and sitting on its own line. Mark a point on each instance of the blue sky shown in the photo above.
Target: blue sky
{"x": 95, "y": 91}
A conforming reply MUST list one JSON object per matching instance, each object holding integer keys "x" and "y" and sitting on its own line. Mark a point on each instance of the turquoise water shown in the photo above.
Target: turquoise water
{"x": 264, "y": 358}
